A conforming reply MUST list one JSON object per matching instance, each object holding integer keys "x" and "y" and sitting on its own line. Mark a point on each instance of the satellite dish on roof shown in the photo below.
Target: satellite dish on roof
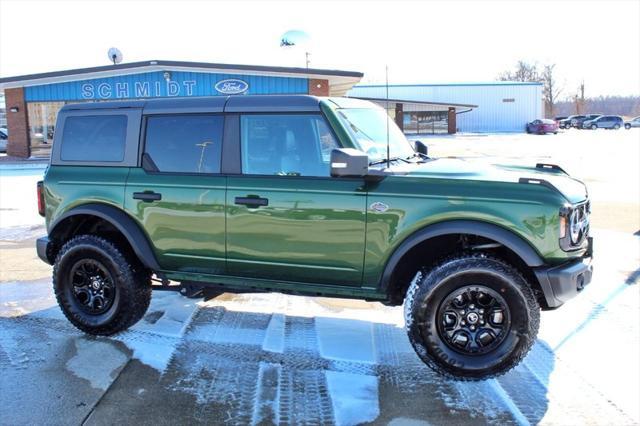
{"x": 297, "y": 39}
{"x": 294, "y": 38}
{"x": 115, "y": 55}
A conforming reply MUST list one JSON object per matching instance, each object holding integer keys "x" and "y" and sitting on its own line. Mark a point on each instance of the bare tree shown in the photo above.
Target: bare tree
{"x": 579, "y": 100}
{"x": 551, "y": 90}
{"x": 524, "y": 71}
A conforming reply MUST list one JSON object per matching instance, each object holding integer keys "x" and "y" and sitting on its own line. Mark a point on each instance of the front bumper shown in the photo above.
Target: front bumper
{"x": 44, "y": 250}
{"x": 563, "y": 282}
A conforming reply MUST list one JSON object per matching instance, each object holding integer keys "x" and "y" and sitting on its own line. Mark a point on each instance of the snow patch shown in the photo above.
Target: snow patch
{"x": 154, "y": 342}
{"x": 354, "y": 397}
{"x": 96, "y": 362}
{"x": 274, "y": 336}
{"x": 346, "y": 340}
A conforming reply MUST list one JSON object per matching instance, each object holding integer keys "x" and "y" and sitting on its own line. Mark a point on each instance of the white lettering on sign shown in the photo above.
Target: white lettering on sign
{"x": 104, "y": 90}
{"x": 122, "y": 90}
{"x": 188, "y": 85}
{"x": 142, "y": 89}
{"x": 87, "y": 91}
{"x": 173, "y": 88}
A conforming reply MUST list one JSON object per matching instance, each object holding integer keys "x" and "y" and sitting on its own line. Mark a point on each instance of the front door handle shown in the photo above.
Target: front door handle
{"x": 147, "y": 196}
{"x": 252, "y": 201}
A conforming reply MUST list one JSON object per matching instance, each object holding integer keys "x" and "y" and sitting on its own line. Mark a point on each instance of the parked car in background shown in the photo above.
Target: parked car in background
{"x": 604, "y": 122}
{"x": 589, "y": 117}
{"x": 635, "y": 122}
{"x": 570, "y": 121}
{"x": 559, "y": 119}
{"x": 4, "y": 137}
{"x": 542, "y": 126}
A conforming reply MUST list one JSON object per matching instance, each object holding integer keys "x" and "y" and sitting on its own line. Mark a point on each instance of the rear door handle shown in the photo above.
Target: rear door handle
{"x": 147, "y": 196}
{"x": 252, "y": 201}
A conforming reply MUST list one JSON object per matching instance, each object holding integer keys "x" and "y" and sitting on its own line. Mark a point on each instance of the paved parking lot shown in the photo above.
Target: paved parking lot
{"x": 269, "y": 358}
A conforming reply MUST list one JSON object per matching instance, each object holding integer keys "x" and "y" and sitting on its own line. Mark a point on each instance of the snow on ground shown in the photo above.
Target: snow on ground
{"x": 19, "y": 218}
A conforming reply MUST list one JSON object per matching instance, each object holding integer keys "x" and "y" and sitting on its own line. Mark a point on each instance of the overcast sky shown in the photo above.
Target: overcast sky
{"x": 422, "y": 42}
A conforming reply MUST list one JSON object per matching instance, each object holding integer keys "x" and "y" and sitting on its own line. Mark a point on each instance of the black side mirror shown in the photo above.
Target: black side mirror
{"x": 349, "y": 162}
{"x": 421, "y": 148}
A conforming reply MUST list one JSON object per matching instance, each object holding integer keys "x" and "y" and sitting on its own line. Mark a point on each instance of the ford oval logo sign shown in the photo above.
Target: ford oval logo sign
{"x": 231, "y": 86}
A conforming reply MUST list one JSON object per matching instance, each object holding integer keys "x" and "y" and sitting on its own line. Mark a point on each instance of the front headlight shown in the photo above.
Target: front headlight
{"x": 574, "y": 226}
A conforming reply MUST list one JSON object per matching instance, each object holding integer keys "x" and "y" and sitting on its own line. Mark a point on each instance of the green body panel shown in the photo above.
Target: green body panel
{"x": 71, "y": 186}
{"x": 187, "y": 227}
{"x": 317, "y": 235}
{"x": 313, "y": 229}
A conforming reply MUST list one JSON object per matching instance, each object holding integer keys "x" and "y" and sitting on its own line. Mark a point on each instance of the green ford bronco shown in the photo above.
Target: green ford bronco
{"x": 312, "y": 196}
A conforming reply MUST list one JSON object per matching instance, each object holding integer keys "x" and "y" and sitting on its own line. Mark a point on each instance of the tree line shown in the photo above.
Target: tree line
{"x": 558, "y": 102}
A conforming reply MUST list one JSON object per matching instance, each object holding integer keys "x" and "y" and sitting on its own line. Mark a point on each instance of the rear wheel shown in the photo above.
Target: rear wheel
{"x": 627, "y": 126}
{"x": 616, "y": 126}
{"x": 98, "y": 290}
{"x": 471, "y": 317}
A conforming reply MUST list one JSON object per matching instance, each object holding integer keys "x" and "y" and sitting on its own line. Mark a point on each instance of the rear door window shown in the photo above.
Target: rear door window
{"x": 185, "y": 143}
{"x": 98, "y": 138}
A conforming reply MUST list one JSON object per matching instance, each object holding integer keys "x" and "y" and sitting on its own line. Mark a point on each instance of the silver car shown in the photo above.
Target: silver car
{"x": 604, "y": 122}
{"x": 4, "y": 136}
{"x": 635, "y": 122}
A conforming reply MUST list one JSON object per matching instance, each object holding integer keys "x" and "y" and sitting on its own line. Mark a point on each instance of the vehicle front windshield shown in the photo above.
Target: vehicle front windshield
{"x": 368, "y": 127}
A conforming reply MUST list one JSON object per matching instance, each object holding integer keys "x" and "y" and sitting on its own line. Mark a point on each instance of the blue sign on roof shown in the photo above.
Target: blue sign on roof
{"x": 155, "y": 85}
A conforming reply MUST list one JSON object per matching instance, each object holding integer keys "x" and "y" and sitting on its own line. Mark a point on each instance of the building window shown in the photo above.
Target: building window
{"x": 42, "y": 121}
{"x": 426, "y": 122}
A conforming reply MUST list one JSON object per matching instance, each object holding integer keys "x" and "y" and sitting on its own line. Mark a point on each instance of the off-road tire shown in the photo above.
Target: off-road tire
{"x": 131, "y": 280}
{"x": 431, "y": 286}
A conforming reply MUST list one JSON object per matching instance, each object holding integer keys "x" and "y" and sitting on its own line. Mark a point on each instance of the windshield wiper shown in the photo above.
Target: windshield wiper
{"x": 384, "y": 160}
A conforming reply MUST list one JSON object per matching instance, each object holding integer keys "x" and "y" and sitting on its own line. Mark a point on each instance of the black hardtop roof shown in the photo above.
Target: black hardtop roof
{"x": 237, "y": 103}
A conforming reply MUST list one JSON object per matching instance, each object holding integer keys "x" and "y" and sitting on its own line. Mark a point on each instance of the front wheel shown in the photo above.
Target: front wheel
{"x": 98, "y": 289}
{"x": 594, "y": 126}
{"x": 472, "y": 317}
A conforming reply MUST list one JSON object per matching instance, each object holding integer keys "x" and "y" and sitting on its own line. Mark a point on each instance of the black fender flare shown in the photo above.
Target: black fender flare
{"x": 122, "y": 222}
{"x": 483, "y": 229}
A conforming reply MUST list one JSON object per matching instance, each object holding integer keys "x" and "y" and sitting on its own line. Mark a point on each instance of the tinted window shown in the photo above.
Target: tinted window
{"x": 94, "y": 138}
{"x": 185, "y": 143}
{"x": 282, "y": 144}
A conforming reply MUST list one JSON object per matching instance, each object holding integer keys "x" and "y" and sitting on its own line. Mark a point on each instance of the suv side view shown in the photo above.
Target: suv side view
{"x": 604, "y": 122}
{"x": 314, "y": 196}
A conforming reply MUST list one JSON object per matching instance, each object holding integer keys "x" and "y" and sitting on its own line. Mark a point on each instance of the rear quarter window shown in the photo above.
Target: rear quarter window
{"x": 99, "y": 138}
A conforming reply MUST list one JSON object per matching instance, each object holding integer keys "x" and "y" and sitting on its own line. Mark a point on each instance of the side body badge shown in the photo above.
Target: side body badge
{"x": 379, "y": 207}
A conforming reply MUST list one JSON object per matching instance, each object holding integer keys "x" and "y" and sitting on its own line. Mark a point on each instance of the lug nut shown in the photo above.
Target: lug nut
{"x": 473, "y": 327}
{"x": 481, "y": 311}
{"x": 463, "y": 322}
{"x": 462, "y": 312}
{"x": 471, "y": 306}
{"x": 482, "y": 321}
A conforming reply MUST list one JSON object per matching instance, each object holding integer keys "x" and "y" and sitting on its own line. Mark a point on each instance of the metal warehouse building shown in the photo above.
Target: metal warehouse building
{"x": 492, "y": 107}
{"x": 33, "y": 101}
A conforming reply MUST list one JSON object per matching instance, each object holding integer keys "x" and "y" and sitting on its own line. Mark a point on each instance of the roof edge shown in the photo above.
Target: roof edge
{"x": 185, "y": 64}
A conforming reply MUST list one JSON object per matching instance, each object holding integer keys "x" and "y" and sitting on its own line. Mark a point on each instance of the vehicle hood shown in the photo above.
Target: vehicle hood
{"x": 572, "y": 189}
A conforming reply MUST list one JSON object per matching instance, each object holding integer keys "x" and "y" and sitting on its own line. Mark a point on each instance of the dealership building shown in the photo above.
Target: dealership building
{"x": 479, "y": 107}
{"x": 32, "y": 101}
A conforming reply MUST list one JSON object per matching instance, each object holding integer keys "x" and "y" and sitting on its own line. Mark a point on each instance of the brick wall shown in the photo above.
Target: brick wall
{"x": 17, "y": 123}
{"x": 318, "y": 87}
